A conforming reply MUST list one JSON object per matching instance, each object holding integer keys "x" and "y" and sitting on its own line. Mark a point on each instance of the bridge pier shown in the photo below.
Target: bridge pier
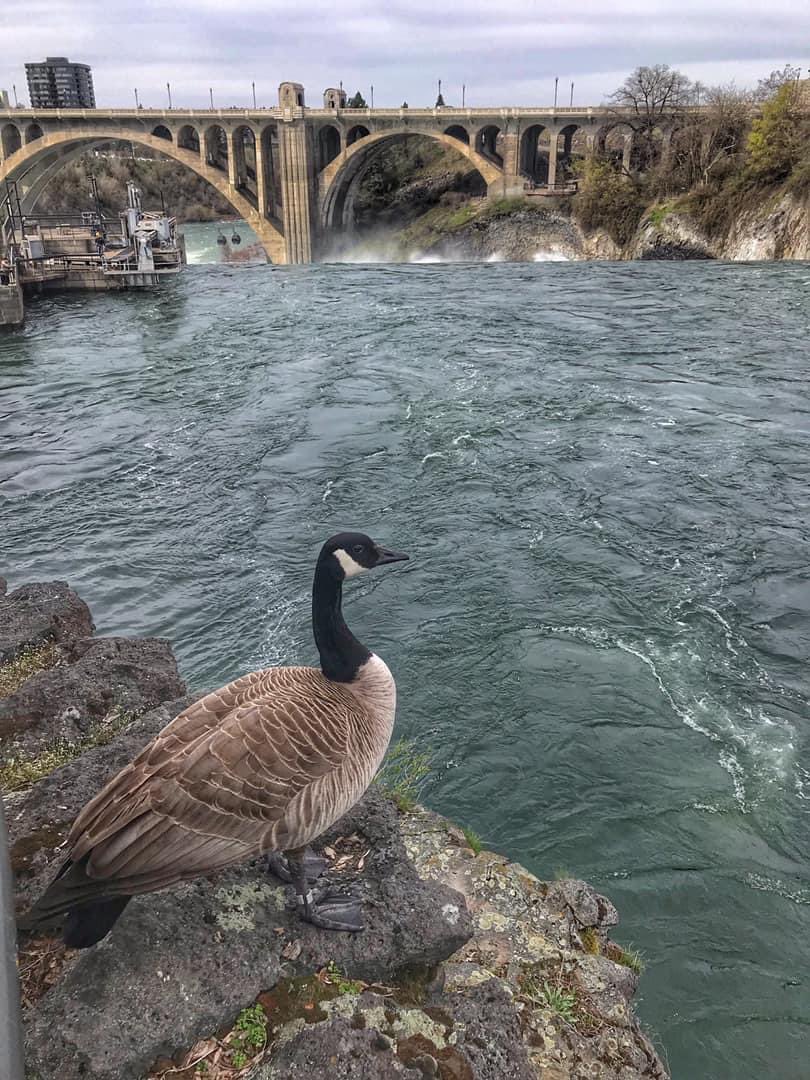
{"x": 296, "y": 191}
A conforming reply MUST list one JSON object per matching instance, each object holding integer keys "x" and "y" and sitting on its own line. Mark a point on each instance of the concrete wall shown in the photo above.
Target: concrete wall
{"x": 12, "y": 312}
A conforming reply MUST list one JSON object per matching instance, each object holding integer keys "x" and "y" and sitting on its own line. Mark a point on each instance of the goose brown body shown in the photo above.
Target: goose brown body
{"x": 264, "y": 764}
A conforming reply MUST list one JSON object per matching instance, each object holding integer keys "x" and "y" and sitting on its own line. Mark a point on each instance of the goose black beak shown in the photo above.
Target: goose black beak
{"x": 385, "y": 556}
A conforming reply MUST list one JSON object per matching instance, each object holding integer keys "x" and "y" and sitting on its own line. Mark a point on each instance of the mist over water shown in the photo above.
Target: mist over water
{"x": 600, "y": 472}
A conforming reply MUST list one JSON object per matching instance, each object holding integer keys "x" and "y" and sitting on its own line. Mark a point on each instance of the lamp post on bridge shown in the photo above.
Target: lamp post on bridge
{"x": 571, "y": 103}
{"x": 211, "y": 97}
{"x": 137, "y": 103}
{"x": 372, "y": 95}
{"x": 556, "y": 80}
{"x": 463, "y": 95}
{"x": 169, "y": 92}
{"x": 253, "y": 84}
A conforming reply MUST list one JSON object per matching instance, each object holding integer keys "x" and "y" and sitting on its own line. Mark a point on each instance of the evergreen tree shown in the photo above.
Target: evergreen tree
{"x": 357, "y": 102}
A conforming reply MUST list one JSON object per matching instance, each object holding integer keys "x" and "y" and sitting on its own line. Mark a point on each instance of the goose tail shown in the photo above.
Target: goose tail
{"x": 90, "y": 914}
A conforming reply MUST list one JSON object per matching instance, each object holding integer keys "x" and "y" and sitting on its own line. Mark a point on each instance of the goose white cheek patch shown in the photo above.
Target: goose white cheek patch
{"x": 350, "y": 567}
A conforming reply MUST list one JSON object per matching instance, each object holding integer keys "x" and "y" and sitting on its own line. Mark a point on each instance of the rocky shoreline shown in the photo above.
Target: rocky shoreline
{"x": 470, "y": 968}
{"x": 535, "y": 230}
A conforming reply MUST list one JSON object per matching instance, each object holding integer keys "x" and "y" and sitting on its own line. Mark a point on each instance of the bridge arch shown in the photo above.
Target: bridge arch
{"x": 10, "y": 139}
{"x": 328, "y": 145}
{"x": 33, "y": 165}
{"x": 533, "y": 159}
{"x": 338, "y": 179}
{"x": 216, "y": 147}
{"x": 456, "y": 131}
{"x": 189, "y": 138}
{"x": 354, "y": 134}
{"x": 615, "y": 142}
{"x": 32, "y": 132}
{"x": 486, "y": 144}
{"x": 569, "y": 149}
{"x": 160, "y": 131}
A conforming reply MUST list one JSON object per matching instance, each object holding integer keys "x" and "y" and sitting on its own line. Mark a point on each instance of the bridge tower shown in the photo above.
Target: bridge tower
{"x": 297, "y": 173}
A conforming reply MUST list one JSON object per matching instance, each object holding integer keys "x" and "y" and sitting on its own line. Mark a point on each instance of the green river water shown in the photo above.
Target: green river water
{"x": 602, "y": 475}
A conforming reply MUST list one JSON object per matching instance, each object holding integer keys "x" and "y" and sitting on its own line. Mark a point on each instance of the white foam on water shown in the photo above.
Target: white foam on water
{"x": 755, "y": 749}
{"x": 551, "y": 255}
{"x": 420, "y": 259}
{"x": 762, "y": 883}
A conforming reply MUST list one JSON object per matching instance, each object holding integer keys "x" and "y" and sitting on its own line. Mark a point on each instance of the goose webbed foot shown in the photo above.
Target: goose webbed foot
{"x": 332, "y": 910}
{"x": 279, "y": 864}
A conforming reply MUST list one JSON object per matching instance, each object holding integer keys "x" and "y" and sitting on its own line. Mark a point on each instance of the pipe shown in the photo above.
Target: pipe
{"x": 11, "y": 1051}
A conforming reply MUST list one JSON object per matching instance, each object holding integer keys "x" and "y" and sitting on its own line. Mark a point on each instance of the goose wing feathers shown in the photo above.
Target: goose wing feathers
{"x": 239, "y": 772}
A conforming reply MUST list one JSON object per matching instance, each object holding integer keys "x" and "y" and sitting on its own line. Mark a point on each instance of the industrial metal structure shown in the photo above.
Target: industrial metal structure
{"x": 85, "y": 251}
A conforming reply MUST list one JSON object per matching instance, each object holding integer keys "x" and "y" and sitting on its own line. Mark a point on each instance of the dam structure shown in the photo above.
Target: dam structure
{"x": 292, "y": 172}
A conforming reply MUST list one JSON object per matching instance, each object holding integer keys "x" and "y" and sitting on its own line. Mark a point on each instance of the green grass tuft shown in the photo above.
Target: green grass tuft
{"x": 658, "y": 213}
{"x": 403, "y": 773}
{"x": 22, "y": 772}
{"x": 631, "y": 958}
{"x": 562, "y": 1002}
{"x": 590, "y": 941}
{"x": 473, "y": 840}
{"x": 25, "y": 664}
{"x": 340, "y": 982}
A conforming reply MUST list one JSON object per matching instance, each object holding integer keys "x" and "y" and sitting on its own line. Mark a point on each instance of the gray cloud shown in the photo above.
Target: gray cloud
{"x": 504, "y": 58}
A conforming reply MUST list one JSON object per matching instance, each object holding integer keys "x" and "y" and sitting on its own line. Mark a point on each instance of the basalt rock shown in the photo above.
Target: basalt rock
{"x": 35, "y": 614}
{"x": 180, "y": 963}
{"x": 39, "y": 819}
{"x": 104, "y": 675}
{"x": 469, "y": 968}
{"x": 473, "y": 1035}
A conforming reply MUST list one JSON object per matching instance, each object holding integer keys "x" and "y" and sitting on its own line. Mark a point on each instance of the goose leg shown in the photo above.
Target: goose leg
{"x": 278, "y": 864}
{"x": 328, "y": 909}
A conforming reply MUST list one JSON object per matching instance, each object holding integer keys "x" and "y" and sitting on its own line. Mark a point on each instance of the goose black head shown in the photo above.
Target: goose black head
{"x": 350, "y": 553}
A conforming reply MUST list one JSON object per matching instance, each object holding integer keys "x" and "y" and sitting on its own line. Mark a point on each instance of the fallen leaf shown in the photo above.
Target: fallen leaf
{"x": 330, "y": 853}
{"x": 292, "y": 950}
{"x": 362, "y": 861}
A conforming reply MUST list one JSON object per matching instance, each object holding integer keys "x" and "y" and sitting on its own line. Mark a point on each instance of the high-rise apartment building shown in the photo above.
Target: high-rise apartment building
{"x": 58, "y": 84}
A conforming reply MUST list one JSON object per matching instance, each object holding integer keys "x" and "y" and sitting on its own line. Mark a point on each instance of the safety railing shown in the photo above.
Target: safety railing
{"x": 11, "y": 1050}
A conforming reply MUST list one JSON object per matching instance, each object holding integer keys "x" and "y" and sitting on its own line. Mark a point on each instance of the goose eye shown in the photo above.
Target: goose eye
{"x": 358, "y": 549}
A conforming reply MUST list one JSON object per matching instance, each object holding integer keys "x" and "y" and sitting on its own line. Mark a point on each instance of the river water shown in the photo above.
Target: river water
{"x": 601, "y": 472}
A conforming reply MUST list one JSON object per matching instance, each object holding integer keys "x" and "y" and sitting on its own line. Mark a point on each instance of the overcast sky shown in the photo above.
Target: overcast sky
{"x": 400, "y": 46}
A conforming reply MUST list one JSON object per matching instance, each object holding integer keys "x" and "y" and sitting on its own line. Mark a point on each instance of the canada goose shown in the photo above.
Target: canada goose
{"x": 263, "y": 765}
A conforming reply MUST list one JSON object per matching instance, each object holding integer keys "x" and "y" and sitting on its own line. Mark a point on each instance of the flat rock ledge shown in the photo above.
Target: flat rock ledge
{"x": 78, "y": 683}
{"x": 469, "y": 968}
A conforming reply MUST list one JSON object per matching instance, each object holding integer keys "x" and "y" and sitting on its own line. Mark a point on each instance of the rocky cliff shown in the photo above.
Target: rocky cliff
{"x": 470, "y": 968}
{"x": 544, "y": 229}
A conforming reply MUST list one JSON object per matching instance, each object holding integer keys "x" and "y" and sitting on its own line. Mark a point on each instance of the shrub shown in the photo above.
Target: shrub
{"x": 608, "y": 200}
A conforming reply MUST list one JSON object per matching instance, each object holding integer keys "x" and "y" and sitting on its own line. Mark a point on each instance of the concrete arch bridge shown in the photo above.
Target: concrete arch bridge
{"x": 292, "y": 172}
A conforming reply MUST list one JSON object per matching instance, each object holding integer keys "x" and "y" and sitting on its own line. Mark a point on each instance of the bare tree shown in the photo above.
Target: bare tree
{"x": 645, "y": 99}
{"x": 711, "y": 137}
{"x": 766, "y": 88}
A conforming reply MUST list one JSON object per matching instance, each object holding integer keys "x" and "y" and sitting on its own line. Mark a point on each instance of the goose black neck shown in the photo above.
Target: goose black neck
{"x": 340, "y": 651}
